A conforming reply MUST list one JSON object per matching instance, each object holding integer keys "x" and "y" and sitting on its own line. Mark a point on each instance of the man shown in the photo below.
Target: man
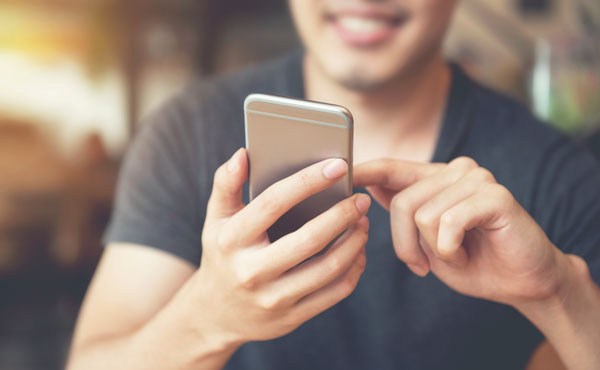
{"x": 495, "y": 247}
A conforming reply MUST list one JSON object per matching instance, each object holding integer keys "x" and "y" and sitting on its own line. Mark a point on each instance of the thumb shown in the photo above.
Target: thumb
{"x": 226, "y": 197}
{"x": 382, "y": 195}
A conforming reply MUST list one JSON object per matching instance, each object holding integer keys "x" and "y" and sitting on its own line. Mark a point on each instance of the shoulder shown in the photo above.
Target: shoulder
{"x": 503, "y": 131}
{"x": 205, "y": 119}
{"x": 509, "y": 122}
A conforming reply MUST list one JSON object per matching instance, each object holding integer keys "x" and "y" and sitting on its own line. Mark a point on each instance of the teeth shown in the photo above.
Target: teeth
{"x": 360, "y": 24}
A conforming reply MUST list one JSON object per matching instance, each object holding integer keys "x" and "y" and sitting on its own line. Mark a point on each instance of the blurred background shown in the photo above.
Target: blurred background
{"x": 77, "y": 75}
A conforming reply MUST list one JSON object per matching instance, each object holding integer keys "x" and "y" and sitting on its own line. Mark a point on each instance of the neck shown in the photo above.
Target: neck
{"x": 406, "y": 113}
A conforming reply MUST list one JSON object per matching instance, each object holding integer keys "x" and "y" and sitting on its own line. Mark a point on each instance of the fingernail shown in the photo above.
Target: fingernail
{"x": 418, "y": 269}
{"x": 335, "y": 168}
{"x": 232, "y": 163}
{"x": 363, "y": 202}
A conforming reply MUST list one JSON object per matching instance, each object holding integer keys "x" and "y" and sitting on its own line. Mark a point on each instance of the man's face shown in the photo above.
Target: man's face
{"x": 367, "y": 44}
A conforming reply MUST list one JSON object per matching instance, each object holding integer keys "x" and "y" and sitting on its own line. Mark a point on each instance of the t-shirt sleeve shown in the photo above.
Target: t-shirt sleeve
{"x": 157, "y": 194}
{"x": 569, "y": 194}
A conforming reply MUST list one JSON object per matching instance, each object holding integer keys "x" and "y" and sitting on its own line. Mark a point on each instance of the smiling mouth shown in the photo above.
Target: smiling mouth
{"x": 365, "y": 28}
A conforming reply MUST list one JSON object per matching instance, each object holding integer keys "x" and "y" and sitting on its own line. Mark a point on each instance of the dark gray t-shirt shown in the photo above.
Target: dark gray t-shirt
{"x": 394, "y": 320}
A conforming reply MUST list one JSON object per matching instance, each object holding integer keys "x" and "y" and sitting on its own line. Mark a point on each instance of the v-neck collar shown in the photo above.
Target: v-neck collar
{"x": 455, "y": 121}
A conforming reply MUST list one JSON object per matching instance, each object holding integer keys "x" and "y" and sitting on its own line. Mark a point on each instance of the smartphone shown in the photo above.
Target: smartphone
{"x": 285, "y": 135}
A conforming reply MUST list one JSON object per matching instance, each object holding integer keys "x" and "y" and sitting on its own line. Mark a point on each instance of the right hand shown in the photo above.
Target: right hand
{"x": 248, "y": 288}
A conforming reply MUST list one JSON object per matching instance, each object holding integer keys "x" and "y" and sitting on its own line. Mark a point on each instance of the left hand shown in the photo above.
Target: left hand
{"x": 458, "y": 222}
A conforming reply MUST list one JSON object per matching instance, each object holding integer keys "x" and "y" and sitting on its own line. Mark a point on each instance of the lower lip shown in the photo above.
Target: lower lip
{"x": 362, "y": 38}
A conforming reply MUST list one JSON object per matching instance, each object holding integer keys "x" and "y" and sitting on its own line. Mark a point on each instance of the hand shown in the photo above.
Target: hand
{"x": 457, "y": 221}
{"x": 248, "y": 288}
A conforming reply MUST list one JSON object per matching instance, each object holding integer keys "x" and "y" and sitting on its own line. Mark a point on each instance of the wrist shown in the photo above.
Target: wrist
{"x": 570, "y": 318}
{"x": 570, "y": 274}
{"x": 188, "y": 322}
{"x": 559, "y": 309}
{"x": 200, "y": 324}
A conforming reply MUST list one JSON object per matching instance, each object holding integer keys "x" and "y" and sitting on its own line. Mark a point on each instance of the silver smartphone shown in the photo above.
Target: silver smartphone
{"x": 285, "y": 135}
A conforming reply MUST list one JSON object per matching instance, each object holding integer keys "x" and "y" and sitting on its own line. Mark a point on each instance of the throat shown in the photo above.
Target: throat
{"x": 411, "y": 139}
{"x": 414, "y": 148}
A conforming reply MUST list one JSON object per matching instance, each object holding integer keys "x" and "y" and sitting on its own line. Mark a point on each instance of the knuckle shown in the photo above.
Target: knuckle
{"x": 271, "y": 302}
{"x": 482, "y": 174}
{"x": 224, "y": 240}
{"x": 448, "y": 219}
{"x": 402, "y": 203}
{"x": 501, "y": 193}
{"x": 463, "y": 162}
{"x": 580, "y": 265}
{"x": 500, "y": 198}
{"x": 246, "y": 278}
{"x": 271, "y": 203}
{"x": 334, "y": 265}
{"x": 423, "y": 218}
{"x": 309, "y": 241}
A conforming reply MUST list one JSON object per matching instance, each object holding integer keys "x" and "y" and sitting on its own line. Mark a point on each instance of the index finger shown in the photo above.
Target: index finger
{"x": 254, "y": 219}
{"x": 391, "y": 173}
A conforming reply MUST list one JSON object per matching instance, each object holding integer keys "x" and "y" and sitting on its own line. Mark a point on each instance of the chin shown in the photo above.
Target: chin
{"x": 363, "y": 74}
{"x": 361, "y": 82}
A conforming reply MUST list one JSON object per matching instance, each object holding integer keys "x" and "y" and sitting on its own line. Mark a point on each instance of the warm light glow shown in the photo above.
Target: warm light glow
{"x": 61, "y": 96}
{"x": 36, "y": 32}
{"x": 45, "y": 78}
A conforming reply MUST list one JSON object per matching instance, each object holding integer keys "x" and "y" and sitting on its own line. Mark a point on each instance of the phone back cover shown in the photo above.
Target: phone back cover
{"x": 283, "y": 138}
